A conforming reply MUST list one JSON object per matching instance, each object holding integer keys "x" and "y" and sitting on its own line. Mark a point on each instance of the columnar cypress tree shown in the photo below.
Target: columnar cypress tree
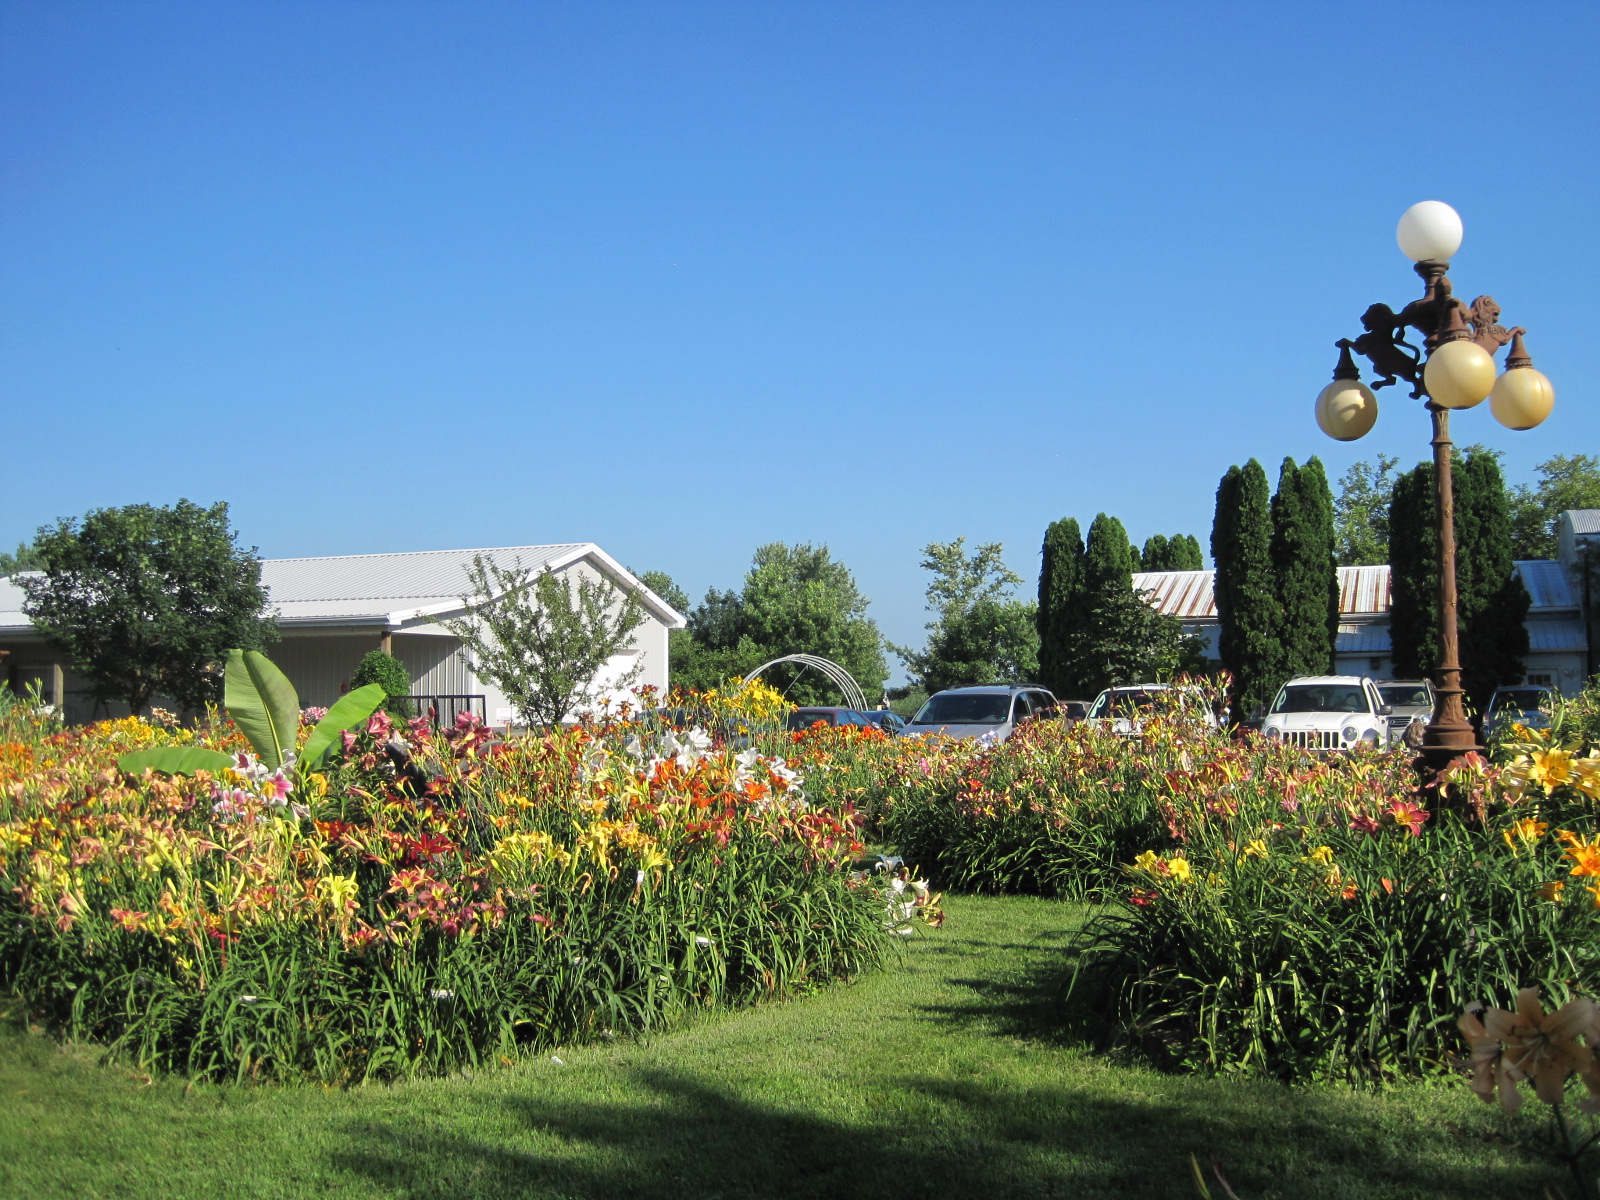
{"x": 1414, "y": 574}
{"x": 1247, "y": 607}
{"x": 1060, "y": 582}
{"x": 1317, "y": 501}
{"x": 1103, "y": 613}
{"x": 1304, "y": 570}
{"x": 1156, "y": 553}
{"x": 1184, "y": 553}
{"x": 1492, "y": 602}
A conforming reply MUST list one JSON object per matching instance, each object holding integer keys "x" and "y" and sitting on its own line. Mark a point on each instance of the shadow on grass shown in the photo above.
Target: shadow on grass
{"x": 684, "y": 1137}
{"x": 1033, "y": 997}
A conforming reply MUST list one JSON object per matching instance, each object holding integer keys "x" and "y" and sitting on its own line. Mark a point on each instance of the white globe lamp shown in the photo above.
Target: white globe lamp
{"x": 1429, "y": 232}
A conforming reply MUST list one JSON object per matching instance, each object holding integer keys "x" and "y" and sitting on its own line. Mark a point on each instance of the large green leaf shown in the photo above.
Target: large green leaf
{"x": 175, "y": 760}
{"x": 347, "y": 714}
{"x": 262, "y": 703}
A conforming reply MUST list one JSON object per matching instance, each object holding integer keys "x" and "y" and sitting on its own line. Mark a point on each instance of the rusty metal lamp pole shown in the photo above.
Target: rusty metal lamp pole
{"x": 1458, "y": 372}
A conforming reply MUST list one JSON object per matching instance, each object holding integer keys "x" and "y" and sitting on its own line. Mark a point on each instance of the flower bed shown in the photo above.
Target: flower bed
{"x": 424, "y": 903}
{"x": 1269, "y": 913}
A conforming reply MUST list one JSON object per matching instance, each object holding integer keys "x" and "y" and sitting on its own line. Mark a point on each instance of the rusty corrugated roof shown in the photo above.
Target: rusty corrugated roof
{"x": 1363, "y": 591}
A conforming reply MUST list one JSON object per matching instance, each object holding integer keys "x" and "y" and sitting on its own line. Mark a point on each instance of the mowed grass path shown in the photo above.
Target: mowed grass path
{"x": 939, "y": 1079}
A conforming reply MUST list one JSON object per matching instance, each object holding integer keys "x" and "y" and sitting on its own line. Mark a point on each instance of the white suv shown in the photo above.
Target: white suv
{"x": 1325, "y": 713}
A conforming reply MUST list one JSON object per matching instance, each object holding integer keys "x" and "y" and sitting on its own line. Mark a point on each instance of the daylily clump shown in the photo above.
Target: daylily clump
{"x": 604, "y": 875}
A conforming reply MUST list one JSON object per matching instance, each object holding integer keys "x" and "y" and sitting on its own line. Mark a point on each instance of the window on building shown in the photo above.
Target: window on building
{"x": 1545, "y": 680}
{"x": 1374, "y": 664}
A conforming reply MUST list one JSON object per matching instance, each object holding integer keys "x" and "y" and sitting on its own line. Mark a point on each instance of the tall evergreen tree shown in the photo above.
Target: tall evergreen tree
{"x": 1156, "y": 554}
{"x": 1413, "y": 574}
{"x": 1317, "y": 499}
{"x": 1247, "y": 606}
{"x": 1184, "y": 553}
{"x": 1119, "y": 637}
{"x": 1493, "y": 603}
{"x": 1060, "y": 582}
{"x": 1180, "y": 552}
{"x": 1306, "y": 576}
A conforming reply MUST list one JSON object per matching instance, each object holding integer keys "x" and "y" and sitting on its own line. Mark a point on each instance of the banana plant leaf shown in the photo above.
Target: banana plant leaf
{"x": 351, "y": 710}
{"x": 175, "y": 760}
{"x": 262, "y": 703}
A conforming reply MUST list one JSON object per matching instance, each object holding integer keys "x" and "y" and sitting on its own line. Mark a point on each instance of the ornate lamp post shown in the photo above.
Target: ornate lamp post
{"x": 1458, "y": 372}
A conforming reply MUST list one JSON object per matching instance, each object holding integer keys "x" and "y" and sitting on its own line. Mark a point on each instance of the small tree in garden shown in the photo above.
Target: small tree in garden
{"x": 147, "y": 601}
{"x": 541, "y": 639}
{"x": 389, "y": 673}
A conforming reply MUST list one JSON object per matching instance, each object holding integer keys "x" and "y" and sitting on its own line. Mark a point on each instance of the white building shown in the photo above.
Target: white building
{"x": 332, "y": 611}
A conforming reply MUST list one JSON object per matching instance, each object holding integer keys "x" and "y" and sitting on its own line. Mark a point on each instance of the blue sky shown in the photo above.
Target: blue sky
{"x": 682, "y": 278}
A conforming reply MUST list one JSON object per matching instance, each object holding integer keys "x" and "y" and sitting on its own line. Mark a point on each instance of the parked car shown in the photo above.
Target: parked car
{"x": 1328, "y": 713}
{"x": 886, "y": 719}
{"x": 1521, "y": 705}
{"x": 1409, "y": 701}
{"x": 1072, "y": 711}
{"x": 1125, "y": 709}
{"x": 992, "y": 713}
{"x": 805, "y": 718}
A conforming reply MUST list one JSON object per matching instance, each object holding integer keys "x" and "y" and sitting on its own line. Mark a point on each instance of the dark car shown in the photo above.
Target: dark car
{"x": 805, "y": 718}
{"x": 887, "y": 720}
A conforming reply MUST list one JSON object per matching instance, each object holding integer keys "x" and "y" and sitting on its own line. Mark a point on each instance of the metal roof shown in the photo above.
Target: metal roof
{"x": 392, "y": 589}
{"x": 1363, "y": 637}
{"x": 1557, "y": 636}
{"x": 1584, "y": 520}
{"x": 1363, "y": 591}
{"x": 1178, "y": 593}
{"x": 1547, "y": 584}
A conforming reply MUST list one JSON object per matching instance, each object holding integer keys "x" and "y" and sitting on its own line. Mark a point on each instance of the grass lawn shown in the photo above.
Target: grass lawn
{"x": 936, "y": 1080}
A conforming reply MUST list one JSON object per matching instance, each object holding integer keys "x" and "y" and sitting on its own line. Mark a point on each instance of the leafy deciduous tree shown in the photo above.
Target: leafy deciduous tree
{"x": 979, "y": 634}
{"x": 1361, "y": 513}
{"x": 541, "y": 640}
{"x": 147, "y": 601}
{"x": 1565, "y": 481}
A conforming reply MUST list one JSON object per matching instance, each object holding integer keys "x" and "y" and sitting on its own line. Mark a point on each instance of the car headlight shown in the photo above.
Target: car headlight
{"x": 1273, "y": 732}
{"x": 1370, "y": 737}
{"x": 1349, "y": 733}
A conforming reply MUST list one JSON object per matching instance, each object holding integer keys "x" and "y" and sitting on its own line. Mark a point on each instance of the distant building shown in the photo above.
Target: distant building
{"x": 332, "y": 611}
{"x": 1561, "y": 592}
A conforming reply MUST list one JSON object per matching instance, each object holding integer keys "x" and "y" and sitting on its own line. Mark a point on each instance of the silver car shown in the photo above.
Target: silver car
{"x": 989, "y": 713}
{"x": 1409, "y": 701}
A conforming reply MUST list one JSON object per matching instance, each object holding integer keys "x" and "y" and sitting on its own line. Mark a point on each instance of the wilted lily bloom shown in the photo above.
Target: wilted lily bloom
{"x": 1507, "y": 1047}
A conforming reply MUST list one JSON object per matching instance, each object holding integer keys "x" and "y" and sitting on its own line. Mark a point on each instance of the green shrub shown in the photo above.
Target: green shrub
{"x": 389, "y": 673}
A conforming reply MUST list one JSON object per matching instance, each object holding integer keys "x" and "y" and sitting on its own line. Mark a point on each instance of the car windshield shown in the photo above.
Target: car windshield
{"x": 805, "y": 718}
{"x": 969, "y": 708}
{"x": 1320, "y": 697}
{"x": 1124, "y": 703}
{"x": 1521, "y": 699}
{"x": 1405, "y": 695}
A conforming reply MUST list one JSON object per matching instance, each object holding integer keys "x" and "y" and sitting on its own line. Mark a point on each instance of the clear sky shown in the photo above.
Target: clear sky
{"x": 682, "y": 278}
